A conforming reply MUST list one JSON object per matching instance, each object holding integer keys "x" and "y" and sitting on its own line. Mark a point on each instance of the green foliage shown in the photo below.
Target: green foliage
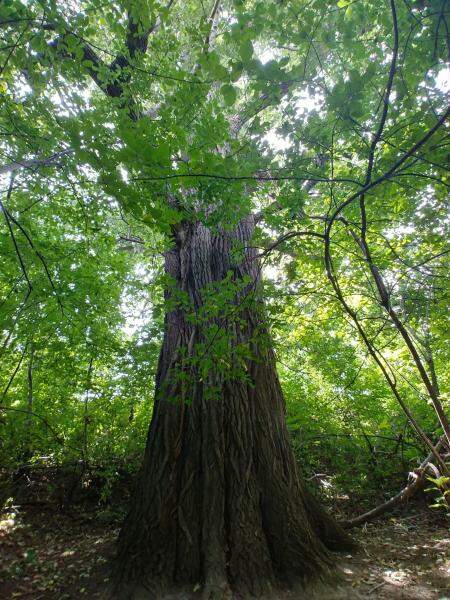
{"x": 213, "y": 121}
{"x": 440, "y": 488}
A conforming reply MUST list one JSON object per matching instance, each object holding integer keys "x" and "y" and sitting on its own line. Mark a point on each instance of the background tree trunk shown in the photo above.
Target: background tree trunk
{"x": 28, "y": 447}
{"x": 219, "y": 501}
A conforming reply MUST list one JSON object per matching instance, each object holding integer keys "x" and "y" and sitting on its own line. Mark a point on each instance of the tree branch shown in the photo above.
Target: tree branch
{"x": 136, "y": 43}
{"x": 13, "y": 237}
{"x": 33, "y": 164}
{"x": 418, "y": 480}
{"x": 390, "y": 172}
{"x": 38, "y": 254}
{"x": 288, "y": 236}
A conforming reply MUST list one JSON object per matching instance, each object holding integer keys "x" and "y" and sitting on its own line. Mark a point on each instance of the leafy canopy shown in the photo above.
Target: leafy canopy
{"x": 119, "y": 120}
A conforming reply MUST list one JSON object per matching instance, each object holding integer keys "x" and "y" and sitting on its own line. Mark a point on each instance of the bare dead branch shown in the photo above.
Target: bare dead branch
{"x": 417, "y": 481}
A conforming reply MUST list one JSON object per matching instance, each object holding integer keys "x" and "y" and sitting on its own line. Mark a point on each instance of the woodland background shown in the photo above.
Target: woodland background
{"x": 81, "y": 244}
{"x": 78, "y": 355}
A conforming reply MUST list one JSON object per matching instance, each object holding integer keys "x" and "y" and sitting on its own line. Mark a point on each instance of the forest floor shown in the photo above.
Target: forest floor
{"x": 51, "y": 555}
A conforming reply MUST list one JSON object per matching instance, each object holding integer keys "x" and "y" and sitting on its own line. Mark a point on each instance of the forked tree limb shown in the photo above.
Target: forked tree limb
{"x": 118, "y": 70}
{"x": 418, "y": 481}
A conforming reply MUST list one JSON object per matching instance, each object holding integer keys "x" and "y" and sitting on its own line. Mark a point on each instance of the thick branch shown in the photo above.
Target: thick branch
{"x": 136, "y": 40}
{"x": 211, "y": 21}
{"x": 136, "y": 43}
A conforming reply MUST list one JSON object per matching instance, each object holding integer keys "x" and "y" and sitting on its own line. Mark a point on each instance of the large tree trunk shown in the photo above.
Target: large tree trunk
{"x": 219, "y": 502}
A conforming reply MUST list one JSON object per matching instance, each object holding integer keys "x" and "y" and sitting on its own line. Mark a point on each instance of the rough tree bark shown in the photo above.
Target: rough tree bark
{"x": 219, "y": 502}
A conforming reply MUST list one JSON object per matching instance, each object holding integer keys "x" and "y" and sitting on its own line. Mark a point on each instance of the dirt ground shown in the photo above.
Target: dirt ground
{"x": 50, "y": 555}
{"x": 402, "y": 557}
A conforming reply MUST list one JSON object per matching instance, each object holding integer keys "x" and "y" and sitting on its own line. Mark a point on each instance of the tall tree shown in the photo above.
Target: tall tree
{"x": 165, "y": 108}
{"x": 219, "y": 499}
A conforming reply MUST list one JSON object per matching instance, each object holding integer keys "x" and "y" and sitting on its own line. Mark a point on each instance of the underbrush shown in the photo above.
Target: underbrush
{"x": 338, "y": 468}
{"x": 103, "y": 490}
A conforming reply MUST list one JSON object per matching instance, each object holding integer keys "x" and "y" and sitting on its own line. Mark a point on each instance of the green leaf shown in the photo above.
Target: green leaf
{"x": 246, "y": 50}
{"x": 236, "y": 70}
{"x": 229, "y": 94}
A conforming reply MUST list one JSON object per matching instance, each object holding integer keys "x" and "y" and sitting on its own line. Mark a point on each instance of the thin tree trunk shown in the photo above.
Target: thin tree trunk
{"x": 219, "y": 502}
{"x": 385, "y": 302}
{"x": 28, "y": 422}
{"x": 375, "y": 354}
{"x": 86, "y": 419}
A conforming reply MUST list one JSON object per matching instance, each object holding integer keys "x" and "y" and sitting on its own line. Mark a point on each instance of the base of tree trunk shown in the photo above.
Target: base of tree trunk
{"x": 225, "y": 513}
{"x": 322, "y": 586}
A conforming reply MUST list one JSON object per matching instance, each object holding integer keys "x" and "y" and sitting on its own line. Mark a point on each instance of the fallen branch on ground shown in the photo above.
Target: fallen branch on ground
{"x": 418, "y": 480}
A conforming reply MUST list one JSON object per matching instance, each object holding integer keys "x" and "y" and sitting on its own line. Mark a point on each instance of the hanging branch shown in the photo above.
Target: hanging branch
{"x": 369, "y": 344}
{"x": 361, "y": 240}
{"x": 13, "y": 237}
{"x": 379, "y": 132}
{"x": 384, "y": 301}
{"x": 375, "y": 355}
{"x": 16, "y": 370}
{"x": 38, "y": 254}
{"x": 369, "y": 184}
